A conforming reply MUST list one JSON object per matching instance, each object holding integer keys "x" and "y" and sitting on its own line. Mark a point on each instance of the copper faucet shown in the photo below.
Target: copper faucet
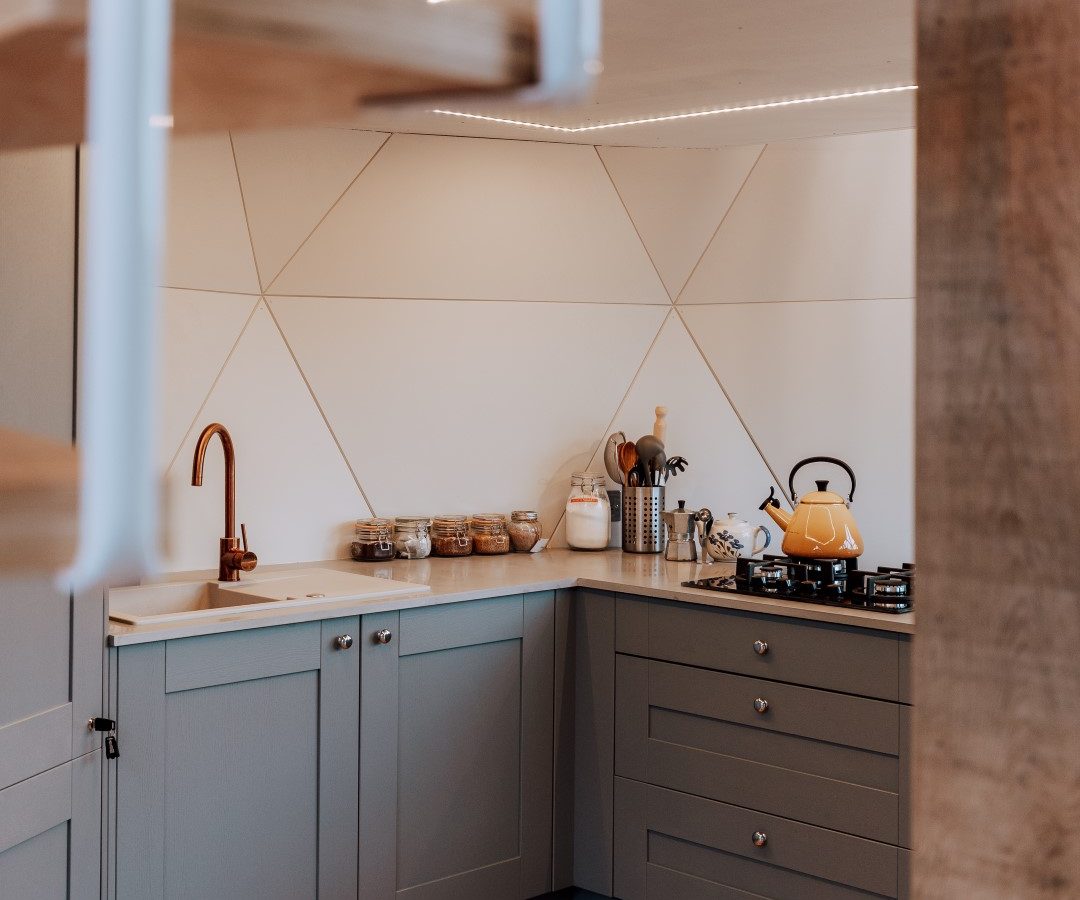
{"x": 233, "y": 560}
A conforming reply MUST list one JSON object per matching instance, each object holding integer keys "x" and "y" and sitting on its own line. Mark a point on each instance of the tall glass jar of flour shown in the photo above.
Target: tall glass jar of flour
{"x": 588, "y": 513}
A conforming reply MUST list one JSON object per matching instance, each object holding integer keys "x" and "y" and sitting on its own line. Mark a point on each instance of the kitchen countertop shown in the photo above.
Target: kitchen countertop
{"x": 475, "y": 577}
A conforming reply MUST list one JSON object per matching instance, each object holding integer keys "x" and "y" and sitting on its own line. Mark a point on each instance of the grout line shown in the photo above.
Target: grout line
{"x": 734, "y": 408}
{"x": 619, "y": 406}
{"x": 333, "y": 206}
{"x": 808, "y": 300}
{"x": 319, "y": 407}
{"x": 611, "y": 303}
{"x": 247, "y": 218}
{"x": 200, "y": 290}
{"x": 720, "y": 224}
{"x": 633, "y": 224}
{"x": 213, "y": 384}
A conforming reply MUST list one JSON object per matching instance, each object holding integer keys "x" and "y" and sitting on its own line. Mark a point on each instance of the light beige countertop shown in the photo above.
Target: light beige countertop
{"x": 475, "y": 577}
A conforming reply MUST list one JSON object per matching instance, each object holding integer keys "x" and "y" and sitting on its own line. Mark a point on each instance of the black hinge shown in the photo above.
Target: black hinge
{"x": 112, "y": 749}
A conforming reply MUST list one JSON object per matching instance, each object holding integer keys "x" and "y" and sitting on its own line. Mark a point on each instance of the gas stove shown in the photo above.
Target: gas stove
{"x": 835, "y": 582}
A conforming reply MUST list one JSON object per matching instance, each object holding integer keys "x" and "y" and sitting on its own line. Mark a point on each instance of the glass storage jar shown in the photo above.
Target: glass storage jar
{"x": 412, "y": 537}
{"x": 374, "y": 540}
{"x": 525, "y": 529}
{"x": 450, "y": 536}
{"x": 489, "y": 534}
{"x": 588, "y": 512}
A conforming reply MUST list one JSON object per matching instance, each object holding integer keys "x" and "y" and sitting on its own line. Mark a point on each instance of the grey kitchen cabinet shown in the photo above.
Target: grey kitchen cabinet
{"x": 456, "y": 750}
{"x": 237, "y": 774}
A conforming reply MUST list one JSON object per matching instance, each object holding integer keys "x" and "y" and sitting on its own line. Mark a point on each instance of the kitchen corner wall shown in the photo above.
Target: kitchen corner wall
{"x": 405, "y": 324}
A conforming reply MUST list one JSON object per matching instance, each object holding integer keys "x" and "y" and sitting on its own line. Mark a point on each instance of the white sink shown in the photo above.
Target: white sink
{"x": 185, "y": 600}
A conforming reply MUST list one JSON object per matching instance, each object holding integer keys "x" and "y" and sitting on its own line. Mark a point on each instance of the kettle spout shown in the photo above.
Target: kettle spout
{"x": 771, "y": 506}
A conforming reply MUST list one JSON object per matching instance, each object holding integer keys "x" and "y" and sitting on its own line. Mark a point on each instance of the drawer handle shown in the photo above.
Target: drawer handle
{"x": 761, "y": 705}
{"x": 383, "y": 636}
{"x": 760, "y": 839}
{"x": 761, "y": 647}
{"x": 343, "y": 641}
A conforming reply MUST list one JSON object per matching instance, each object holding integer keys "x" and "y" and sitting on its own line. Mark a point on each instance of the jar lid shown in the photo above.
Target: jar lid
{"x": 489, "y": 519}
{"x": 524, "y": 515}
{"x": 582, "y": 478}
{"x": 450, "y": 524}
{"x": 412, "y": 522}
{"x": 372, "y": 527}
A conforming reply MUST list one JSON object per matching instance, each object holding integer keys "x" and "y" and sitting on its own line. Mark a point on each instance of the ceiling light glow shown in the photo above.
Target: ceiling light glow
{"x": 672, "y": 117}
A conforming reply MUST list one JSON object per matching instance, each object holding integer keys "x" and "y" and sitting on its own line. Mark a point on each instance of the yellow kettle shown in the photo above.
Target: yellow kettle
{"x": 822, "y": 526}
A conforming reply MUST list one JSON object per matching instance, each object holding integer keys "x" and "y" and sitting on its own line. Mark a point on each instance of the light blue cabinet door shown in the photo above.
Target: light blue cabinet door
{"x": 237, "y": 775}
{"x": 457, "y": 707}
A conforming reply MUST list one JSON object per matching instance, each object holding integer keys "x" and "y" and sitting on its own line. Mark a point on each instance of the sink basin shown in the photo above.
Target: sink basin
{"x": 181, "y": 601}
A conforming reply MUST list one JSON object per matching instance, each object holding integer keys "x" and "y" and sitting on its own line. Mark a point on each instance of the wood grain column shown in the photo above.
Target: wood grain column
{"x": 997, "y": 654}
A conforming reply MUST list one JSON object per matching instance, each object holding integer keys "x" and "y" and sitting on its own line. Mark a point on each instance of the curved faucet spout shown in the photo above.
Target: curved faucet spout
{"x": 230, "y": 470}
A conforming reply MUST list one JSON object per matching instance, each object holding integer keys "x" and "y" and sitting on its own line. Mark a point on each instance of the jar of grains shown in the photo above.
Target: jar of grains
{"x": 489, "y": 534}
{"x": 412, "y": 537}
{"x": 588, "y": 512}
{"x": 450, "y": 536}
{"x": 525, "y": 529}
{"x": 374, "y": 540}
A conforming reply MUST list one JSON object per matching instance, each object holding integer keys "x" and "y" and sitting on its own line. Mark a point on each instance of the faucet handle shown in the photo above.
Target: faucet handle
{"x": 243, "y": 535}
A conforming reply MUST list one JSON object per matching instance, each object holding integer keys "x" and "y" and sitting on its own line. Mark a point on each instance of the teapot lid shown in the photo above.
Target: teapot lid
{"x": 822, "y": 495}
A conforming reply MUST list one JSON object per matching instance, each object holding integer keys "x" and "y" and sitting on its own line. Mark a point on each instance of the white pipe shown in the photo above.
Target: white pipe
{"x": 127, "y": 100}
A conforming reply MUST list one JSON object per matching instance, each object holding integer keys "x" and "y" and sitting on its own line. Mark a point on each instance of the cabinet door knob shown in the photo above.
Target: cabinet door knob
{"x": 344, "y": 641}
{"x": 761, "y": 647}
{"x": 761, "y": 705}
{"x": 760, "y": 839}
{"x": 383, "y": 636}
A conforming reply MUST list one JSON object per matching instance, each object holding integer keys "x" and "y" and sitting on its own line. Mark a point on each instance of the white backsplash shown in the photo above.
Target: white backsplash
{"x": 411, "y": 324}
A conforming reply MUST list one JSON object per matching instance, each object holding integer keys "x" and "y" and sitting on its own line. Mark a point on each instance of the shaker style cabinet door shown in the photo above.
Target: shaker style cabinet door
{"x": 237, "y": 772}
{"x": 456, "y": 750}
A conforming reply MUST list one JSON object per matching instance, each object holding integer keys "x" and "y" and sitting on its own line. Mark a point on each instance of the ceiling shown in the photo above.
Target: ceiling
{"x": 678, "y": 56}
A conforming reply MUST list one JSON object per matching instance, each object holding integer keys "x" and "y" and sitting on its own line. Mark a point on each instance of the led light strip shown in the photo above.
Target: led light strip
{"x": 772, "y": 104}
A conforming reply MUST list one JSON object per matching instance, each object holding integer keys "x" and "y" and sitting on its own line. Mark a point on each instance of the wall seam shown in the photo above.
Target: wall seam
{"x": 333, "y": 206}
{"x": 319, "y": 407}
{"x": 719, "y": 225}
{"x": 610, "y": 303}
{"x": 247, "y": 219}
{"x": 633, "y": 224}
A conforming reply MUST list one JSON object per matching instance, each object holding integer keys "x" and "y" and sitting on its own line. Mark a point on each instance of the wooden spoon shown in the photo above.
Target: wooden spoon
{"x": 628, "y": 459}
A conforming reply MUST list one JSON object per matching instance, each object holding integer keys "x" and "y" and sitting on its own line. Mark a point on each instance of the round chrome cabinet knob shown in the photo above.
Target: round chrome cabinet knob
{"x": 344, "y": 641}
{"x": 383, "y": 636}
{"x": 761, "y": 647}
{"x": 760, "y": 839}
{"x": 761, "y": 705}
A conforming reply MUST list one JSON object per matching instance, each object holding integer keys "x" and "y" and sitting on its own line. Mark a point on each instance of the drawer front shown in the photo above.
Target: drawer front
{"x": 839, "y": 658}
{"x": 672, "y": 846}
{"x": 819, "y": 757}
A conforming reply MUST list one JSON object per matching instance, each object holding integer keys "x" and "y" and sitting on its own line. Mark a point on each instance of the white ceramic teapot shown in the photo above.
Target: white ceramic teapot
{"x": 730, "y": 537}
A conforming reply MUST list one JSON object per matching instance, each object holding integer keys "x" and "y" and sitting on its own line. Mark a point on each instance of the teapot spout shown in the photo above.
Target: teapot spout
{"x": 772, "y": 508}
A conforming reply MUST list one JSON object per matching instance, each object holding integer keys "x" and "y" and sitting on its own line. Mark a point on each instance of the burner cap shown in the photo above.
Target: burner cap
{"x": 889, "y": 586}
{"x": 771, "y": 573}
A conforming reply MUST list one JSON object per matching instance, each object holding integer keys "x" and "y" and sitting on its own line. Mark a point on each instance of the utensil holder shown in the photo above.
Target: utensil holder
{"x": 643, "y": 531}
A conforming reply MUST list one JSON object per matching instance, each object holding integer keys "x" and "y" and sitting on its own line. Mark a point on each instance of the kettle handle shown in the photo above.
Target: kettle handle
{"x": 825, "y": 459}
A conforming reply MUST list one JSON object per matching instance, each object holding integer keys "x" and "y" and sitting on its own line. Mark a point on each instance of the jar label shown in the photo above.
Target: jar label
{"x": 584, "y": 499}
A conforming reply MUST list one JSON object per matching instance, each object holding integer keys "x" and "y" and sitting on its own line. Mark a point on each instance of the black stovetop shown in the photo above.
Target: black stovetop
{"x": 834, "y": 582}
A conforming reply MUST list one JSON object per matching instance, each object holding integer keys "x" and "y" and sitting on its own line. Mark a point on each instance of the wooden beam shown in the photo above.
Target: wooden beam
{"x": 266, "y": 63}
{"x": 38, "y": 503}
{"x": 997, "y": 654}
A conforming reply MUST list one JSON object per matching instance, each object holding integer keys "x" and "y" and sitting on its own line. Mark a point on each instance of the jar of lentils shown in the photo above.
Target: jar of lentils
{"x": 489, "y": 534}
{"x": 374, "y": 540}
{"x": 525, "y": 529}
{"x": 412, "y": 537}
{"x": 450, "y": 536}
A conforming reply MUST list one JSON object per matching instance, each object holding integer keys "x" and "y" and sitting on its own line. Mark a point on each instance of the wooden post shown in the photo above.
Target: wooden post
{"x": 997, "y": 654}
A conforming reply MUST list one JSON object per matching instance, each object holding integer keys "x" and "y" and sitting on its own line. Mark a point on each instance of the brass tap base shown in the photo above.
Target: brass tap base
{"x": 226, "y": 570}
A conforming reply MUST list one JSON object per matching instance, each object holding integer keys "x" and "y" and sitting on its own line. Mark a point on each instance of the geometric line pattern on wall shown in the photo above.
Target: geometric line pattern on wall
{"x": 677, "y": 199}
{"x": 290, "y": 179}
{"x": 381, "y": 383}
{"x": 825, "y": 219}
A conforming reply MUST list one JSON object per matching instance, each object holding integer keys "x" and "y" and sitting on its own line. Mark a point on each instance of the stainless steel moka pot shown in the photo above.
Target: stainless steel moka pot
{"x": 681, "y": 535}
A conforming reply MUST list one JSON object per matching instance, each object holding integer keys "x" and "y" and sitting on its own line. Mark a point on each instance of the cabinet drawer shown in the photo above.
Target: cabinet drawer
{"x": 836, "y": 657}
{"x": 820, "y": 757}
{"x": 672, "y": 846}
